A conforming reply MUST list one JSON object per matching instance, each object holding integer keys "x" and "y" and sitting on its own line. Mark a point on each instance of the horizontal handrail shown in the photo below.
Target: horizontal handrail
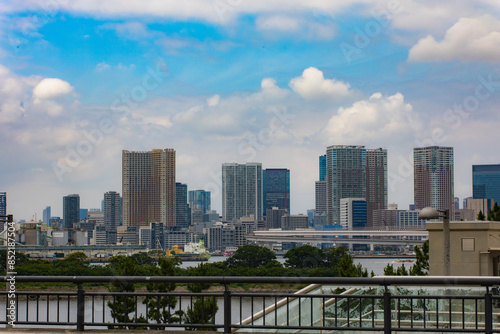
{"x": 486, "y": 281}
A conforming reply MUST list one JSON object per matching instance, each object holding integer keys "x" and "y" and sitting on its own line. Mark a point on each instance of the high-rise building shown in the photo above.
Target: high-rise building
{"x": 276, "y": 188}
{"x": 71, "y": 210}
{"x": 241, "y": 191}
{"x": 148, "y": 183}
{"x": 433, "y": 178}
{"x": 456, "y": 203}
{"x": 320, "y": 189}
{"x": 46, "y": 215}
{"x": 273, "y": 217}
{"x": 112, "y": 215}
{"x": 480, "y": 204}
{"x": 345, "y": 177}
{"x": 376, "y": 182}
{"x": 486, "y": 182}
{"x": 3, "y": 203}
{"x": 353, "y": 213}
{"x": 322, "y": 167}
{"x": 199, "y": 199}
{"x": 182, "y": 210}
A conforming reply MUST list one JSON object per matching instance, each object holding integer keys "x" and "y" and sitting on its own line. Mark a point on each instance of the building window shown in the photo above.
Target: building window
{"x": 468, "y": 244}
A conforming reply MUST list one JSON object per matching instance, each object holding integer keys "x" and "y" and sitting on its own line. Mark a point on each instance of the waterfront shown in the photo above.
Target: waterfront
{"x": 375, "y": 264}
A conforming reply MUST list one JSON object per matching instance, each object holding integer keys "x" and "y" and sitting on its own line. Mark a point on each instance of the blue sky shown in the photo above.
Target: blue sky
{"x": 212, "y": 78}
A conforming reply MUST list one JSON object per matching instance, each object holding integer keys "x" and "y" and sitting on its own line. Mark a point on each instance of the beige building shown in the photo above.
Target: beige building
{"x": 474, "y": 248}
{"x": 480, "y": 204}
{"x": 148, "y": 183}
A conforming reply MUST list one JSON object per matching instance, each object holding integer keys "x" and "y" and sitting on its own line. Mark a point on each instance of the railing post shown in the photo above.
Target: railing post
{"x": 227, "y": 310}
{"x": 80, "y": 309}
{"x": 488, "y": 312}
{"x": 387, "y": 312}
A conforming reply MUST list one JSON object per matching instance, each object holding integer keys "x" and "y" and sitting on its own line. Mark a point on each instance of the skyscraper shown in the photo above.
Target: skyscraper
{"x": 320, "y": 189}
{"x": 46, "y": 215}
{"x": 276, "y": 183}
{"x": 71, "y": 210}
{"x": 376, "y": 182}
{"x": 345, "y": 177}
{"x": 486, "y": 182}
{"x": 182, "y": 210}
{"x": 3, "y": 203}
{"x": 433, "y": 178}
{"x": 322, "y": 167}
{"x": 148, "y": 183}
{"x": 112, "y": 215}
{"x": 241, "y": 190}
{"x": 199, "y": 199}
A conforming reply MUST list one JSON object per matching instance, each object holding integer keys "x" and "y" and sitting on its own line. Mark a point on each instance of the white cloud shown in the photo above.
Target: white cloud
{"x": 51, "y": 88}
{"x": 313, "y": 85}
{"x": 295, "y": 26}
{"x": 378, "y": 118}
{"x": 102, "y": 67}
{"x": 213, "y": 100}
{"x": 278, "y": 22}
{"x": 14, "y": 98}
{"x": 468, "y": 40}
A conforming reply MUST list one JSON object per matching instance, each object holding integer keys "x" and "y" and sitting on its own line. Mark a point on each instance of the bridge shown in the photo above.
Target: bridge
{"x": 90, "y": 251}
{"x": 375, "y": 237}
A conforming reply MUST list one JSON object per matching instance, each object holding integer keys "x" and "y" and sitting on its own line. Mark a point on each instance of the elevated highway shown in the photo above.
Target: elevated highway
{"x": 310, "y": 236}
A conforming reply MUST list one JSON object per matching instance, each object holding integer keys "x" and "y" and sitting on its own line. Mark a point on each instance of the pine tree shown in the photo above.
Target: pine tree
{"x": 480, "y": 215}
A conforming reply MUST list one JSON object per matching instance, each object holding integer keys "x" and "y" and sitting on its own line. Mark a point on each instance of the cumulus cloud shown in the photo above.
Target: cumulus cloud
{"x": 470, "y": 39}
{"x": 51, "y": 88}
{"x": 377, "y": 118}
{"x": 14, "y": 95}
{"x": 313, "y": 85}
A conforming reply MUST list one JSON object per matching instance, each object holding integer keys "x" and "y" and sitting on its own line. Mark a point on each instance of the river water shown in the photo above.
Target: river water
{"x": 375, "y": 264}
{"x": 54, "y": 312}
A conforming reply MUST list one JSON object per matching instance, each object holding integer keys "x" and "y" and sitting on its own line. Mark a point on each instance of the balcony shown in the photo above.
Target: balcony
{"x": 325, "y": 305}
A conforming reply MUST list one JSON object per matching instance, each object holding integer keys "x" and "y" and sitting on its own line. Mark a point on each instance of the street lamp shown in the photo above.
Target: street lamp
{"x": 431, "y": 213}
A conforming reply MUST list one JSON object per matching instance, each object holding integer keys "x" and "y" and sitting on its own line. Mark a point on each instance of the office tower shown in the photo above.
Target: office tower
{"x": 320, "y": 190}
{"x": 71, "y": 210}
{"x": 199, "y": 199}
{"x": 46, "y": 215}
{"x": 112, "y": 215}
{"x": 353, "y": 213}
{"x": 241, "y": 191}
{"x": 3, "y": 203}
{"x": 276, "y": 188}
{"x": 182, "y": 210}
{"x": 480, "y": 204}
{"x": 83, "y": 213}
{"x": 433, "y": 177}
{"x": 273, "y": 217}
{"x": 322, "y": 167}
{"x": 148, "y": 182}
{"x": 408, "y": 220}
{"x": 376, "y": 182}
{"x": 456, "y": 203}
{"x": 486, "y": 182}
{"x": 345, "y": 177}
{"x": 293, "y": 222}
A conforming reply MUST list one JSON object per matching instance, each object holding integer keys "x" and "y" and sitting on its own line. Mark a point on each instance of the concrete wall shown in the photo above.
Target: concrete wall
{"x": 474, "y": 248}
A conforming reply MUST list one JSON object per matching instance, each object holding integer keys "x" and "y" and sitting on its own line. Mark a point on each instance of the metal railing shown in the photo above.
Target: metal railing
{"x": 379, "y": 304}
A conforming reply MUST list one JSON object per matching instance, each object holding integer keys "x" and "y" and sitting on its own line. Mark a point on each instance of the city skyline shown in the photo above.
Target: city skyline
{"x": 248, "y": 81}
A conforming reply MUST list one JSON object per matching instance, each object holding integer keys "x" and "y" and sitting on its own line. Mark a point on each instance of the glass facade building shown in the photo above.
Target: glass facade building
{"x": 182, "y": 210}
{"x": 200, "y": 199}
{"x": 486, "y": 182}
{"x": 241, "y": 191}
{"x": 3, "y": 203}
{"x": 71, "y": 210}
{"x": 276, "y": 189}
{"x": 345, "y": 177}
